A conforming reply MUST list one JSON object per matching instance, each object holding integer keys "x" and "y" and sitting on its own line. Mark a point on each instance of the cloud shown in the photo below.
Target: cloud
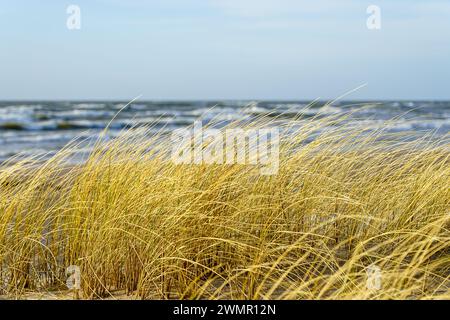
{"x": 433, "y": 8}
{"x": 268, "y": 8}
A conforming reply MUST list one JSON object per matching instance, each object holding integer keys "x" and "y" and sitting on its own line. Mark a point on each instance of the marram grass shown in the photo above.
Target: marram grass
{"x": 139, "y": 226}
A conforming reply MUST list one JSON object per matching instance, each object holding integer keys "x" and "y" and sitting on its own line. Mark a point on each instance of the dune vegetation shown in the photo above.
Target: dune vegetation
{"x": 346, "y": 201}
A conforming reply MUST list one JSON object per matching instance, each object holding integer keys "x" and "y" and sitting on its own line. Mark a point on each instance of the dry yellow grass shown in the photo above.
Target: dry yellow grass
{"x": 136, "y": 223}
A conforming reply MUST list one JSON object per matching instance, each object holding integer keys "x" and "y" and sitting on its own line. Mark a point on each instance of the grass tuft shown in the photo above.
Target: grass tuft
{"x": 344, "y": 199}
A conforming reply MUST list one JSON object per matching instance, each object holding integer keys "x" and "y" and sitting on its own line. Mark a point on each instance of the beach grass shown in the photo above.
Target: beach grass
{"x": 346, "y": 204}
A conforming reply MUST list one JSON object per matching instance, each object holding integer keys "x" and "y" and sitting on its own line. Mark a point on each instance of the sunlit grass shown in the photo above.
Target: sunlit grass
{"x": 138, "y": 224}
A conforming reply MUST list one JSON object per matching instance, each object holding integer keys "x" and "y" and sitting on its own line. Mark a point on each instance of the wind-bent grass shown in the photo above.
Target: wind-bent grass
{"x": 136, "y": 223}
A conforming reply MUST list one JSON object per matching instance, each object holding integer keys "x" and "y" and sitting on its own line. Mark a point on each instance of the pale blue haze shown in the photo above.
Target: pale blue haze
{"x": 219, "y": 49}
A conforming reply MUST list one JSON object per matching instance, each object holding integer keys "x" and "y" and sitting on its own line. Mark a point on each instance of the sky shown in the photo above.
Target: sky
{"x": 224, "y": 49}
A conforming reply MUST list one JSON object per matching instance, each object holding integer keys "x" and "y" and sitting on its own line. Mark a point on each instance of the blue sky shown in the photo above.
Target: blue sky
{"x": 224, "y": 49}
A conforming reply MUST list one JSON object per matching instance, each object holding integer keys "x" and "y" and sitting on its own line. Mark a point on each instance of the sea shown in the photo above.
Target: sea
{"x": 36, "y": 128}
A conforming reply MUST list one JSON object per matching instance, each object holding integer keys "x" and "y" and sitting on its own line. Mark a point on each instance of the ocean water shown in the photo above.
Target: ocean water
{"x": 44, "y": 127}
